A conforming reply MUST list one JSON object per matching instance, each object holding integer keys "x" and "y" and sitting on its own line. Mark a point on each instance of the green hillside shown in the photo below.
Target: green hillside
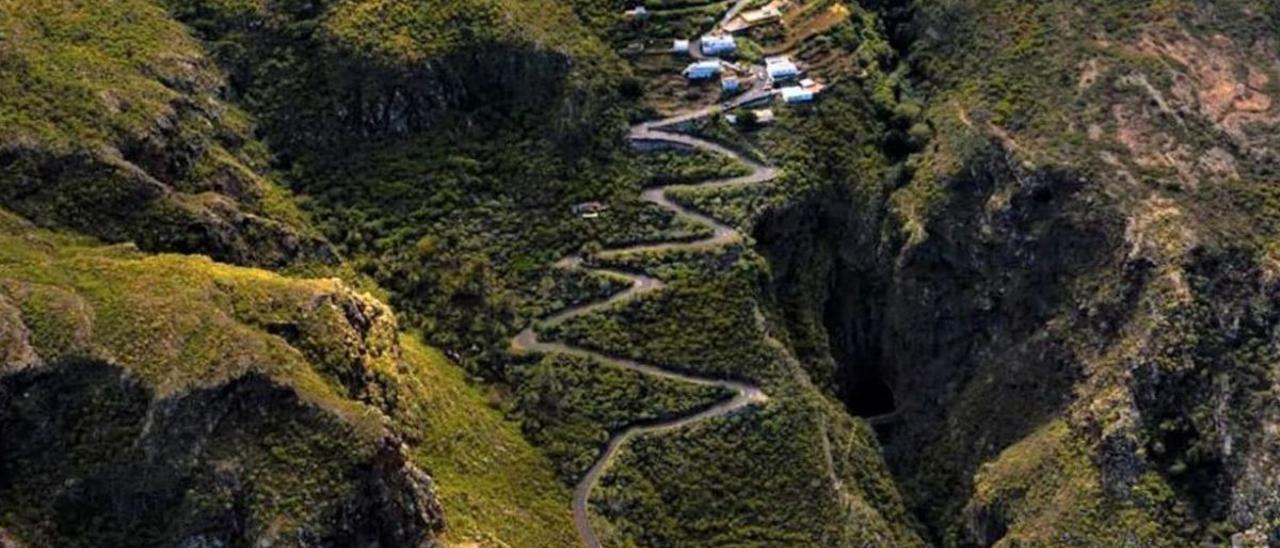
{"x": 497, "y": 273}
{"x": 341, "y": 387}
{"x": 114, "y": 127}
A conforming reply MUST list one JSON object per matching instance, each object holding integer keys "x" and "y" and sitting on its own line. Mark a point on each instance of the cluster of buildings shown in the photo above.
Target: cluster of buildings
{"x": 779, "y": 71}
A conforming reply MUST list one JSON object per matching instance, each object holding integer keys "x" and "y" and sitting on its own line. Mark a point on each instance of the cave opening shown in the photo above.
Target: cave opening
{"x": 870, "y": 396}
{"x": 865, "y": 382}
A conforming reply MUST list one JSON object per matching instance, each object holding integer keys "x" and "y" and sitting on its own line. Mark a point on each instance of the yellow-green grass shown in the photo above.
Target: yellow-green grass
{"x": 179, "y": 323}
{"x": 496, "y": 489}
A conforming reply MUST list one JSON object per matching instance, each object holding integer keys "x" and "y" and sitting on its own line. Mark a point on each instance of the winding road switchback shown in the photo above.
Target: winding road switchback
{"x": 745, "y": 394}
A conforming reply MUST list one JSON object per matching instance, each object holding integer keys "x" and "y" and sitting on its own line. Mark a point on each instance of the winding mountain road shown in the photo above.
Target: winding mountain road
{"x": 744, "y": 394}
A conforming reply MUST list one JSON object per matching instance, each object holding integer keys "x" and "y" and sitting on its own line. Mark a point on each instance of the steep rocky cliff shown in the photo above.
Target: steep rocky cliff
{"x": 165, "y": 400}
{"x": 335, "y": 73}
{"x": 168, "y": 400}
{"x": 1063, "y": 322}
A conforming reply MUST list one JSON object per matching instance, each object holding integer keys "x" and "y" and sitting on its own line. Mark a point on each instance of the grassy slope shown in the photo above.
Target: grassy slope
{"x": 414, "y": 32}
{"x": 495, "y": 488}
{"x": 178, "y": 323}
{"x": 123, "y": 91}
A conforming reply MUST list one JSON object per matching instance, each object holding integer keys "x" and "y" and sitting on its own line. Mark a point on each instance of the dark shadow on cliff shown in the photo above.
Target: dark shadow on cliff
{"x": 951, "y": 333}
{"x": 92, "y": 456}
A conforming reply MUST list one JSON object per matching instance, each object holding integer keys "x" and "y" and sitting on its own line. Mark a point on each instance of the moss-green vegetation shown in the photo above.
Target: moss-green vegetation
{"x": 720, "y": 483}
{"x": 496, "y": 489}
{"x": 75, "y": 76}
{"x": 719, "y": 298}
{"x": 413, "y": 32}
{"x": 568, "y": 406}
{"x": 338, "y": 379}
{"x": 677, "y": 167}
{"x": 108, "y": 110}
{"x": 1045, "y": 490}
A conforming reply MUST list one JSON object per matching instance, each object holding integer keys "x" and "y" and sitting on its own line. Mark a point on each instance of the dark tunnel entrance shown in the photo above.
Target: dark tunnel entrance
{"x": 869, "y": 396}
{"x": 852, "y": 318}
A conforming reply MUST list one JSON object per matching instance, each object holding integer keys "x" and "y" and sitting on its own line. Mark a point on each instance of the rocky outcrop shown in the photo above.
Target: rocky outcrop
{"x": 319, "y": 85}
{"x": 103, "y": 194}
{"x": 1035, "y": 299}
{"x": 213, "y": 467}
{"x": 172, "y": 401}
{"x": 947, "y": 335}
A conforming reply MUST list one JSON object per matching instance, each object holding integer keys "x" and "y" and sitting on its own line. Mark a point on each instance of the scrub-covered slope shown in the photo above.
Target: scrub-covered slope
{"x": 339, "y": 72}
{"x": 157, "y": 400}
{"x": 433, "y": 140}
{"x": 113, "y": 125}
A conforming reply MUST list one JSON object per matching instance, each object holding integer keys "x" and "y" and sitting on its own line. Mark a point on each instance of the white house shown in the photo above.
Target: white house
{"x": 716, "y": 44}
{"x": 589, "y": 210}
{"x": 764, "y": 116}
{"x": 780, "y": 68}
{"x": 729, "y": 84}
{"x": 703, "y": 70}
{"x": 796, "y": 94}
{"x": 638, "y": 12}
{"x": 680, "y": 46}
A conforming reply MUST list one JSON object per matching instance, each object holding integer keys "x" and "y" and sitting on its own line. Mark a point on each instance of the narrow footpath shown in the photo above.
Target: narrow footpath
{"x": 744, "y": 394}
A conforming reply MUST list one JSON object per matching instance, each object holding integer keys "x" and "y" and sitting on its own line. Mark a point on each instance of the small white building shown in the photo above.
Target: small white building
{"x": 795, "y": 94}
{"x": 730, "y": 84}
{"x": 764, "y": 116}
{"x": 703, "y": 70}
{"x": 680, "y": 46}
{"x": 589, "y": 210}
{"x": 780, "y": 68}
{"x": 638, "y": 13}
{"x": 718, "y": 44}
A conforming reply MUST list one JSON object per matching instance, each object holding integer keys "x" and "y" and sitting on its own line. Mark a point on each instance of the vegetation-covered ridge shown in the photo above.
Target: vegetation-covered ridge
{"x": 113, "y": 126}
{"x": 327, "y": 75}
{"x": 173, "y": 399}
